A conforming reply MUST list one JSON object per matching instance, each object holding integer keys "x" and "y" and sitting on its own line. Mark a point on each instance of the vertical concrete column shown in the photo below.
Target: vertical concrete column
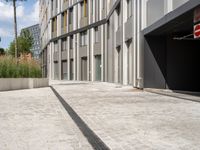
{"x": 59, "y": 6}
{"x": 114, "y": 24}
{"x": 168, "y": 6}
{"x": 88, "y": 55}
{"x": 48, "y": 62}
{"x": 78, "y": 57}
{"x": 134, "y": 44}
{"x": 100, "y": 9}
{"x": 67, "y": 30}
{"x": 140, "y": 47}
{"x": 94, "y": 11}
{"x": 52, "y": 60}
{"x": 106, "y": 53}
{"x": 102, "y": 52}
{"x": 59, "y": 25}
{"x": 124, "y": 47}
{"x": 78, "y": 15}
{"x": 90, "y": 44}
{"x": 92, "y": 54}
{"x": 59, "y": 59}
{"x": 75, "y": 17}
{"x": 75, "y": 57}
{"x": 89, "y": 12}
{"x": 68, "y": 58}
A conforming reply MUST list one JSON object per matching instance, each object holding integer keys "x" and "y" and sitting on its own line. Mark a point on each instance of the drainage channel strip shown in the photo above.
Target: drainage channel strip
{"x": 92, "y": 138}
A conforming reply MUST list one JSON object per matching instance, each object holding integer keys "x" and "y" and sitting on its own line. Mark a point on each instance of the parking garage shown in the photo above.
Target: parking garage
{"x": 171, "y": 53}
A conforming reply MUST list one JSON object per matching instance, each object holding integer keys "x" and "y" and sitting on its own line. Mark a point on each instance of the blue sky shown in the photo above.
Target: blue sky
{"x": 27, "y": 15}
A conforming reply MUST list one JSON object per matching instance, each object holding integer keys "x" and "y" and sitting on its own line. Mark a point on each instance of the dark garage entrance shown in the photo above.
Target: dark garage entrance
{"x": 172, "y": 55}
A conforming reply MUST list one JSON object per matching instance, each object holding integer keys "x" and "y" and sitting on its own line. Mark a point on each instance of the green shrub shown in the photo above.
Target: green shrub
{"x": 22, "y": 68}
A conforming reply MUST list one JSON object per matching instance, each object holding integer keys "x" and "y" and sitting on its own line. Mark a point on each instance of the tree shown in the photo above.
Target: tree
{"x": 15, "y": 25}
{"x": 2, "y": 51}
{"x": 24, "y": 43}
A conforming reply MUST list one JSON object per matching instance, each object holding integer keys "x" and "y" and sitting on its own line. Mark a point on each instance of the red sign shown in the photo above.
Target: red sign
{"x": 197, "y": 31}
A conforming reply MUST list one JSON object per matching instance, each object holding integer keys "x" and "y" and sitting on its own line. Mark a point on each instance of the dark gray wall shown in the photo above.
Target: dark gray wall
{"x": 172, "y": 63}
{"x": 154, "y": 62}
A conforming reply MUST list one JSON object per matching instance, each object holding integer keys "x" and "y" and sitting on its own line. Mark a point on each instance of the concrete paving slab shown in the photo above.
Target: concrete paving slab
{"x": 125, "y": 118}
{"x": 35, "y": 120}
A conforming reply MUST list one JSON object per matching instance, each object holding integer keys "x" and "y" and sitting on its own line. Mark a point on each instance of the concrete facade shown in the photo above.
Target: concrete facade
{"x": 98, "y": 40}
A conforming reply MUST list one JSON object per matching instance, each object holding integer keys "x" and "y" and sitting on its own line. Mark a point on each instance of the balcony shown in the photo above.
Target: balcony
{"x": 129, "y": 29}
{"x": 83, "y": 22}
{"x": 118, "y": 37}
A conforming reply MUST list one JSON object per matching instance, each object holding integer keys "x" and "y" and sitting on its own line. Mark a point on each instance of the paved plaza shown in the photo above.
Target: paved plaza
{"x": 35, "y": 120}
{"x": 122, "y": 117}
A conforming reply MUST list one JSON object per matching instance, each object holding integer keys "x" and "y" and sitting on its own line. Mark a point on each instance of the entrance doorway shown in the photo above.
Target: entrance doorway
{"x": 71, "y": 69}
{"x": 98, "y": 67}
{"x": 64, "y": 70}
{"x": 84, "y": 68}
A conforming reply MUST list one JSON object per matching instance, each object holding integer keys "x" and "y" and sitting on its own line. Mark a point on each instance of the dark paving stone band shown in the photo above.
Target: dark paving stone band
{"x": 92, "y": 138}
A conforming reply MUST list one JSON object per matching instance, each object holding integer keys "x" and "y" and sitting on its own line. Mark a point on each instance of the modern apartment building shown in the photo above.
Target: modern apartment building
{"x": 114, "y": 40}
{"x": 35, "y": 32}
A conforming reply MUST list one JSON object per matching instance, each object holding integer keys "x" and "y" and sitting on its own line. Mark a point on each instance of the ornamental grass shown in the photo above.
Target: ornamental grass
{"x": 19, "y": 68}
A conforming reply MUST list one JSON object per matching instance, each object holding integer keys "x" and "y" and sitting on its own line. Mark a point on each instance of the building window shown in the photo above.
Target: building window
{"x": 96, "y": 32}
{"x": 83, "y": 38}
{"x": 64, "y": 44}
{"x": 54, "y": 24}
{"x": 84, "y": 10}
{"x": 70, "y": 15}
{"x": 71, "y": 42}
{"x": 64, "y": 20}
{"x": 129, "y": 8}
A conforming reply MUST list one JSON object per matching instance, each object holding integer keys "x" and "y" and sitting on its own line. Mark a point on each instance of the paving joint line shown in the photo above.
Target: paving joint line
{"x": 92, "y": 138}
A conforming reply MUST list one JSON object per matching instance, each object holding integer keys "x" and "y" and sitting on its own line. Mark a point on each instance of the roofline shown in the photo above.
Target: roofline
{"x": 31, "y": 26}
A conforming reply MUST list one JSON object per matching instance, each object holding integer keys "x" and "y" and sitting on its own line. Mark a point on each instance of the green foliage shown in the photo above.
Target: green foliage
{"x": 10, "y": 68}
{"x": 24, "y": 43}
{"x": 2, "y": 51}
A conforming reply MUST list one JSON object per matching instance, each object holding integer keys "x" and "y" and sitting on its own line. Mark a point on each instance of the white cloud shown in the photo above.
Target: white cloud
{"x": 35, "y": 13}
{"x": 5, "y": 32}
{"x": 30, "y": 18}
{"x": 7, "y": 11}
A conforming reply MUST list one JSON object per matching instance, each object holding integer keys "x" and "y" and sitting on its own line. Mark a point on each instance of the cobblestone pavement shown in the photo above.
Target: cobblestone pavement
{"x": 35, "y": 120}
{"x": 129, "y": 119}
